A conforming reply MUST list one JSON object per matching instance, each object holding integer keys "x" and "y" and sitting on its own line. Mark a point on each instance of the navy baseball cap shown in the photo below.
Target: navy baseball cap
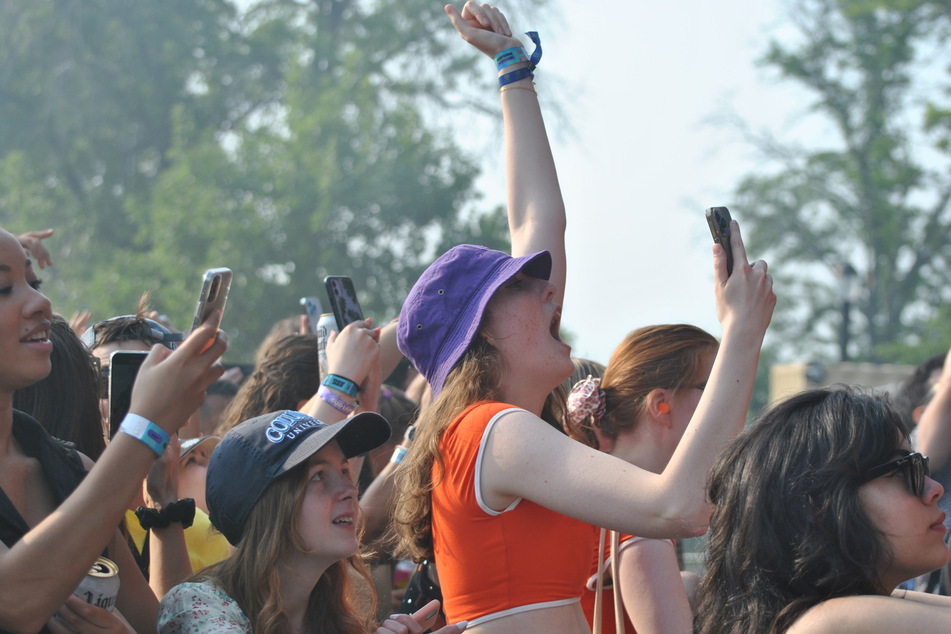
{"x": 259, "y": 450}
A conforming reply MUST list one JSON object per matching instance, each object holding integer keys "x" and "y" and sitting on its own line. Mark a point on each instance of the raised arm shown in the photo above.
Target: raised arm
{"x": 41, "y": 570}
{"x": 536, "y": 211}
{"x": 527, "y": 458}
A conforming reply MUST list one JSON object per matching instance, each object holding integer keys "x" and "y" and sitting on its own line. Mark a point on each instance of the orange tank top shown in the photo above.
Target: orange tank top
{"x": 495, "y": 563}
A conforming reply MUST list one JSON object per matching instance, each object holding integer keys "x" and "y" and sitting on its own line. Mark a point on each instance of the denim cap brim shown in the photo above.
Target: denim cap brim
{"x": 259, "y": 450}
{"x": 443, "y": 311}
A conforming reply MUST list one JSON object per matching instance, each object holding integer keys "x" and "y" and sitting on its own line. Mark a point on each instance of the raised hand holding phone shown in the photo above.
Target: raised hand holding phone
{"x": 343, "y": 300}
{"x": 718, "y": 219}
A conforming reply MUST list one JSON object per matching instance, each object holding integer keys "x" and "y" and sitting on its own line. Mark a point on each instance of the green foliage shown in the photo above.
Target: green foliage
{"x": 288, "y": 142}
{"x": 873, "y": 196}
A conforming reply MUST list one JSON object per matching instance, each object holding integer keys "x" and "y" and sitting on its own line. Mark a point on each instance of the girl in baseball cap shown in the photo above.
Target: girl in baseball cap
{"x": 493, "y": 489}
{"x": 279, "y": 488}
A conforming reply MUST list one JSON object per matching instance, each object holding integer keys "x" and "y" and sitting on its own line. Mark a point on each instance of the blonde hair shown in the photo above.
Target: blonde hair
{"x": 250, "y": 576}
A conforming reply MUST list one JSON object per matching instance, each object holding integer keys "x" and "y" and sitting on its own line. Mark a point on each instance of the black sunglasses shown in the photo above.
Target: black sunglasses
{"x": 914, "y": 466}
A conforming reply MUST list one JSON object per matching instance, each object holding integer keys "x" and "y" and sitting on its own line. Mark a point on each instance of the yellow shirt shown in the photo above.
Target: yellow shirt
{"x": 205, "y": 545}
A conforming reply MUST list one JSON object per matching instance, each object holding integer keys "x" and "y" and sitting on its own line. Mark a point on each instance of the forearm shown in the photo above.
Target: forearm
{"x": 720, "y": 416}
{"x": 377, "y": 502}
{"x": 44, "y": 567}
{"x": 169, "y": 564}
{"x": 536, "y": 210}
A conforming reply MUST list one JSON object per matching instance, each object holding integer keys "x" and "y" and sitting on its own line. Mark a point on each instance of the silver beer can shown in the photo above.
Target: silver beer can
{"x": 325, "y": 325}
{"x": 100, "y": 587}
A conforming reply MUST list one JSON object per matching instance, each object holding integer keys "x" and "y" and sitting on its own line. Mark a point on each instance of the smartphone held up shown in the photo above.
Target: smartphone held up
{"x": 718, "y": 219}
{"x": 343, "y": 300}
{"x": 213, "y": 296}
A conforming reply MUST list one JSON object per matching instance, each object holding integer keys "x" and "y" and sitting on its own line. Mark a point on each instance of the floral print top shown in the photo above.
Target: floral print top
{"x": 190, "y": 608}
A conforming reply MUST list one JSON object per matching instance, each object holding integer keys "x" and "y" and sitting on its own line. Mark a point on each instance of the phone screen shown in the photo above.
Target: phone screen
{"x": 312, "y": 310}
{"x": 343, "y": 299}
{"x": 214, "y": 294}
{"x": 123, "y": 368}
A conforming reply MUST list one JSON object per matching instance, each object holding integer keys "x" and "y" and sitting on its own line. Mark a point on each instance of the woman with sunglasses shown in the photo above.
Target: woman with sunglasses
{"x": 820, "y": 511}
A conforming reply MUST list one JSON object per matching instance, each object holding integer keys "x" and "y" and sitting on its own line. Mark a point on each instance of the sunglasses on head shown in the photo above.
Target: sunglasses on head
{"x": 914, "y": 466}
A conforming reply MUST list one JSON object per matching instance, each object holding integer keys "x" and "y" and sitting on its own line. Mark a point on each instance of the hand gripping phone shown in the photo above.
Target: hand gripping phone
{"x": 214, "y": 294}
{"x": 343, "y": 300}
{"x": 718, "y": 218}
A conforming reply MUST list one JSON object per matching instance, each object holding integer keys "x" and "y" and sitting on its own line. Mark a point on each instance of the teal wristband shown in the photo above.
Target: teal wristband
{"x": 144, "y": 430}
{"x": 342, "y": 383}
{"x": 510, "y": 56}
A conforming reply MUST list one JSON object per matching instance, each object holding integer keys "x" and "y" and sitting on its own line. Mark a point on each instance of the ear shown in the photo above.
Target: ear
{"x": 658, "y": 405}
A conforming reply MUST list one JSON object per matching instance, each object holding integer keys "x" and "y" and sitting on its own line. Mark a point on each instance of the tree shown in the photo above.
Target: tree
{"x": 877, "y": 196}
{"x": 288, "y": 141}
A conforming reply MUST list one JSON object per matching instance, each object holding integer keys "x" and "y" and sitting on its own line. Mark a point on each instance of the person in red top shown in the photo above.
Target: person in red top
{"x": 482, "y": 327}
{"x": 638, "y": 412}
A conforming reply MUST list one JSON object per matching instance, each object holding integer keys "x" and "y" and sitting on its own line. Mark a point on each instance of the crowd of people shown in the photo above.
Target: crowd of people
{"x": 534, "y": 492}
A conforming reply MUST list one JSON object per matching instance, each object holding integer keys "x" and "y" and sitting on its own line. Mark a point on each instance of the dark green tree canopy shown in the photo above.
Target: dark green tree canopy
{"x": 287, "y": 140}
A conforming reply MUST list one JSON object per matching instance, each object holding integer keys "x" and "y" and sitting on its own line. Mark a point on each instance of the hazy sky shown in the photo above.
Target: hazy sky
{"x": 640, "y": 83}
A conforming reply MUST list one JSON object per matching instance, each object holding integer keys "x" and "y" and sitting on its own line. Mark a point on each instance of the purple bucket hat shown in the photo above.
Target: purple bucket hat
{"x": 443, "y": 311}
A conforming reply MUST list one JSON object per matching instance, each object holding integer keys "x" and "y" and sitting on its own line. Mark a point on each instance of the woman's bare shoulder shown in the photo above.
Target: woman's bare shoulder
{"x": 871, "y": 614}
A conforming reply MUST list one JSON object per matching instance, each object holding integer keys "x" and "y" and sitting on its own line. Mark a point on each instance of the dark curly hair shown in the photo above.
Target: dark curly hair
{"x": 788, "y": 530}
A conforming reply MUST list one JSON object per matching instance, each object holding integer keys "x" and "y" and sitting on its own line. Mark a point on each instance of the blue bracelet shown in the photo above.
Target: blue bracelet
{"x": 144, "y": 430}
{"x": 510, "y": 56}
{"x": 524, "y": 72}
{"x": 342, "y": 383}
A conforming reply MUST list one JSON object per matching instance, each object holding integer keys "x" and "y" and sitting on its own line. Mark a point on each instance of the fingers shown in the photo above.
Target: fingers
{"x": 426, "y": 614}
{"x": 400, "y": 624}
{"x": 736, "y": 241}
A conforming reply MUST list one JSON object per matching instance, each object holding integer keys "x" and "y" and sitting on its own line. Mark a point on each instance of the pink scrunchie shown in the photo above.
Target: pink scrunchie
{"x": 586, "y": 399}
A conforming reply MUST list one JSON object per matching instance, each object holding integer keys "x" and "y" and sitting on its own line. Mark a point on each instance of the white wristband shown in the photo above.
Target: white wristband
{"x": 146, "y": 431}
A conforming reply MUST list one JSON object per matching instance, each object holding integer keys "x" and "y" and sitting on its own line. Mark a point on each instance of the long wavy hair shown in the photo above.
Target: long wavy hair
{"x": 788, "y": 529}
{"x": 287, "y": 373}
{"x": 250, "y": 576}
{"x": 668, "y": 356}
{"x": 476, "y": 378}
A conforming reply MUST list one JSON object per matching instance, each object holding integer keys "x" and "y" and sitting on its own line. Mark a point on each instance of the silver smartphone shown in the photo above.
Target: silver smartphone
{"x": 214, "y": 294}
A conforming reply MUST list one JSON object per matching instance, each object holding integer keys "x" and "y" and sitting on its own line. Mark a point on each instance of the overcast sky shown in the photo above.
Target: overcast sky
{"x": 640, "y": 83}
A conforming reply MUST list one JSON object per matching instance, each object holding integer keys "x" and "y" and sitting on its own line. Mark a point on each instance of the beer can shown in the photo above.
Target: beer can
{"x": 325, "y": 325}
{"x": 100, "y": 587}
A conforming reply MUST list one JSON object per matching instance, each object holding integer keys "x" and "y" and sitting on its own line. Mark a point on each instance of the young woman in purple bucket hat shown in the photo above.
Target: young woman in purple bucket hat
{"x": 493, "y": 489}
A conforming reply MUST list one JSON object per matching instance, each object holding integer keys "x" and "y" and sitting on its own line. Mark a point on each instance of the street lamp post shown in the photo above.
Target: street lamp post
{"x": 848, "y": 289}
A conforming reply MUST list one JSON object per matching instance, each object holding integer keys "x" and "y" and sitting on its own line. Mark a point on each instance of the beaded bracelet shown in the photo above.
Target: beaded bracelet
{"x": 144, "y": 430}
{"x": 335, "y": 401}
{"x": 342, "y": 383}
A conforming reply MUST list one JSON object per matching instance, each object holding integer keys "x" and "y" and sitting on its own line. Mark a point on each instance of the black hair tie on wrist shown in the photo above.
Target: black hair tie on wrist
{"x": 180, "y": 512}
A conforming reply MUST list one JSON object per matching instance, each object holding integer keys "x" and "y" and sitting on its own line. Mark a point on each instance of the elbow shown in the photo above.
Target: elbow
{"x": 688, "y": 522}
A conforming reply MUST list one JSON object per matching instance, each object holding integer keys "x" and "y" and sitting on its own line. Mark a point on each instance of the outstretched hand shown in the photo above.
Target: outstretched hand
{"x": 483, "y": 26}
{"x": 171, "y": 384}
{"x": 747, "y": 295}
{"x": 32, "y": 241}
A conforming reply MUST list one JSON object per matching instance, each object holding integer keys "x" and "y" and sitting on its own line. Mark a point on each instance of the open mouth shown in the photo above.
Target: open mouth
{"x": 37, "y": 336}
{"x": 343, "y": 521}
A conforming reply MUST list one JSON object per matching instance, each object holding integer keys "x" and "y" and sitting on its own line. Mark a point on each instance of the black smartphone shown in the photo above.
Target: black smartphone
{"x": 312, "y": 310}
{"x": 718, "y": 218}
{"x": 343, "y": 300}
{"x": 215, "y": 285}
{"x": 123, "y": 368}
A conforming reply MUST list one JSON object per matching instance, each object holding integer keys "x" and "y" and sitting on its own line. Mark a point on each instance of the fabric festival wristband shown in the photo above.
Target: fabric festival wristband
{"x": 510, "y": 56}
{"x": 335, "y": 401}
{"x": 342, "y": 383}
{"x": 514, "y": 76}
{"x": 146, "y": 431}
